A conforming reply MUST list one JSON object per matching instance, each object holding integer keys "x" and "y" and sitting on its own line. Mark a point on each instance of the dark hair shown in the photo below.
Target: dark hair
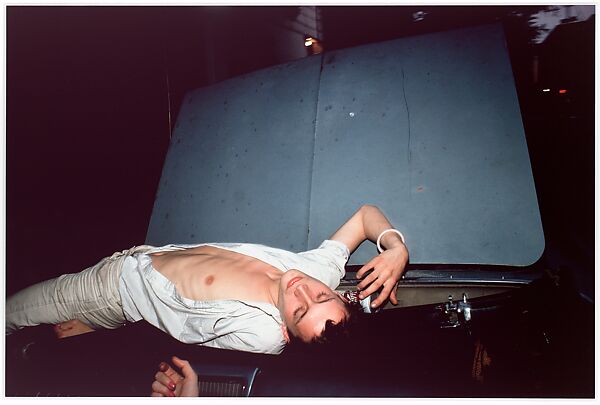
{"x": 343, "y": 330}
{"x": 334, "y": 336}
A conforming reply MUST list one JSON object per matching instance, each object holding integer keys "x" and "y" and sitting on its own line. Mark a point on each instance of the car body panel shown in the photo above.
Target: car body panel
{"x": 428, "y": 128}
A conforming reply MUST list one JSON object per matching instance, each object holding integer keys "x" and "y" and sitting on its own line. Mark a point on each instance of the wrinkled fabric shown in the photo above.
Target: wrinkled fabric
{"x": 228, "y": 324}
{"x": 91, "y": 296}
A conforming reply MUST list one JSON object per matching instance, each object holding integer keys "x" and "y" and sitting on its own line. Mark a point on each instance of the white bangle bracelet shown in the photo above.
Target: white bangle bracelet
{"x": 386, "y": 231}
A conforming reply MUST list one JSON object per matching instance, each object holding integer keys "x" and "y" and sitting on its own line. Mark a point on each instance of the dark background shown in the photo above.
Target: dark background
{"x": 93, "y": 92}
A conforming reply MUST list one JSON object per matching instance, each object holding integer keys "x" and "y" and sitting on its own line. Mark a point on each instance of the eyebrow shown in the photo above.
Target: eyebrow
{"x": 320, "y": 302}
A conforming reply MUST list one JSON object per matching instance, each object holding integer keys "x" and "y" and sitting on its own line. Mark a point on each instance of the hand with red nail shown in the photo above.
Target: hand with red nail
{"x": 169, "y": 383}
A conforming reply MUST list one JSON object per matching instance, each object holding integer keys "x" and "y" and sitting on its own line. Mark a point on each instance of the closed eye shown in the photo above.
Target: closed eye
{"x": 296, "y": 312}
{"x": 323, "y": 297}
{"x": 320, "y": 298}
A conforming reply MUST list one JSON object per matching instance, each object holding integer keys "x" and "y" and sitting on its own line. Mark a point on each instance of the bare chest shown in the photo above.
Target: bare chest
{"x": 208, "y": 274}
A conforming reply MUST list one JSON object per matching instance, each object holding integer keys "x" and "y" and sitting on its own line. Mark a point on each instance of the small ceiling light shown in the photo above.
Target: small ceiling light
{"x": 313, "y": 45}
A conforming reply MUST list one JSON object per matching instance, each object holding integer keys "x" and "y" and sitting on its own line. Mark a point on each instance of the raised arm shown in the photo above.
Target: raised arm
{"x": 367, "y": 224}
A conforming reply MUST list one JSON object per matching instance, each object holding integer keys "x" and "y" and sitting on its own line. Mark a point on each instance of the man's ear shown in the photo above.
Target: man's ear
{"x": 286, "y": 335}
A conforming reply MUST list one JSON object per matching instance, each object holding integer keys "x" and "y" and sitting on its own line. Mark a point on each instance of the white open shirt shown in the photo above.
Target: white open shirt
{"x": 229, "y": 324}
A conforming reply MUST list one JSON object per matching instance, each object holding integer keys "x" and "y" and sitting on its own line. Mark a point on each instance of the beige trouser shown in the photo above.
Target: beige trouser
{"x": 91, "y": 296}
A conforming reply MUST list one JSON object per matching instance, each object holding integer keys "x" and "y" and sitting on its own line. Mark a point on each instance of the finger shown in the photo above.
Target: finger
{"x": 186, "y": 368}
{"x": 170, "y": 372}
{"x": 374, "y": 286}
{"x": 159, "y": 388}
{"x": 370, "y": 265}
{"x": 179, "y": 362}
{"x": 385, "y": 293}
{"x": 164, "y": 390}
{"x": 165, "y": 380}
{"x": 370, "y": 277}
{"x": 367, "y": 281}
{"x": 393, "y": 297}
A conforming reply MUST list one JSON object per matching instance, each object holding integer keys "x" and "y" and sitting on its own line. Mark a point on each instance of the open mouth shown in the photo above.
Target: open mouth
{"x": 293, "y": 281}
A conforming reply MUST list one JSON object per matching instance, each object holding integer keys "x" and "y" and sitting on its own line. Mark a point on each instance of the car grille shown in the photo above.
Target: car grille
{"x": 227, "y": 388}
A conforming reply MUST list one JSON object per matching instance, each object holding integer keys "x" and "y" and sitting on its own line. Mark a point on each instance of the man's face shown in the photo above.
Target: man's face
{"x": 306, "y": 304}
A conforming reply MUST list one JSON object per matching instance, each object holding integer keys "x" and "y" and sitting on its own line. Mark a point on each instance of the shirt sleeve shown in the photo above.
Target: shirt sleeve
{"x": 329, "y": 260}
{"x": 257, "y": 334}
{"x": 248, "y": 342}
{"x": 235, "y": 325}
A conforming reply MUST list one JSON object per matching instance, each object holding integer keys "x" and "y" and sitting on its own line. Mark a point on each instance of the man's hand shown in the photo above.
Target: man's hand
{"x": 387, "y": 270}
{"x": 169, "y": 383}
